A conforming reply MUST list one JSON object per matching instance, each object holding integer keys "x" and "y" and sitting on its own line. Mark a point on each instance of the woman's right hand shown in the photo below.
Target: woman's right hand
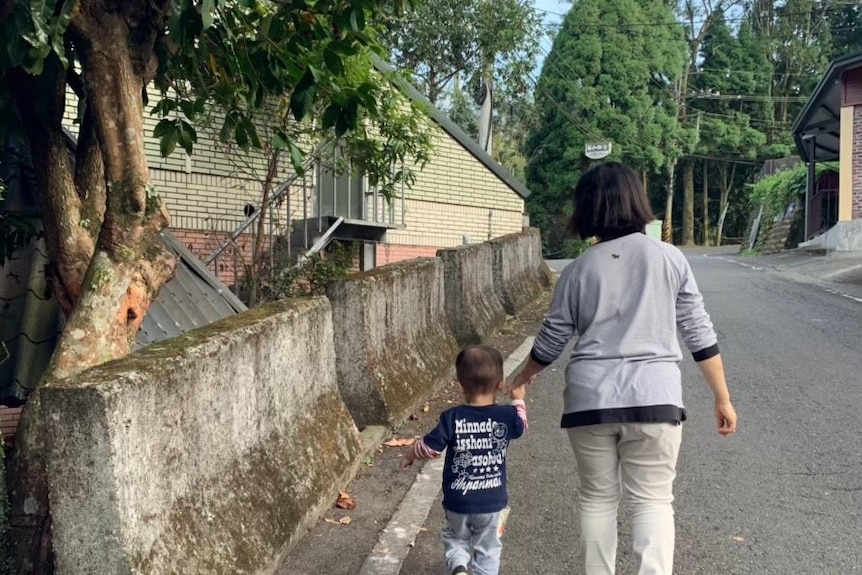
{"x": 725, "y": 415}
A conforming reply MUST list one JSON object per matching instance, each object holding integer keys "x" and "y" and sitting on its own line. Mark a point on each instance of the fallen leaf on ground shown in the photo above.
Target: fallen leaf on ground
{"x": 345, "y": 501}
{"x": 331, "y": 521}
{"x": 403, "y": 442}
{"x": 345, "y": 520}
{"x": 738, "y": 539}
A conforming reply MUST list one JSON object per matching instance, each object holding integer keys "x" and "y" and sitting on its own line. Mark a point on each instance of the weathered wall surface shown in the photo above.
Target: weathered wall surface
{"x": 472, "y": 305}
{"x": 519, "y": 270}
{"x": 212, "y": 453}
{"x": 209, "y": 453}
{"x": 393, "y": 345}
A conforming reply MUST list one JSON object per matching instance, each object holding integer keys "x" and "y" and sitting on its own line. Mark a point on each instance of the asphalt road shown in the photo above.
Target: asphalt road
{"x": 783, "y": 496}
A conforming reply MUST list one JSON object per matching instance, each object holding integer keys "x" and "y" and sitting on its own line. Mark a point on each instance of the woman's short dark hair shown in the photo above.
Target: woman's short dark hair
{"x": 609, "y": 201}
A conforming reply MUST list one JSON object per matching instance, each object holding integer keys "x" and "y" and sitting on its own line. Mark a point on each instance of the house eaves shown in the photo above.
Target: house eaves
{"x": 820, "y": 119}
{"x": 455, "y": 132}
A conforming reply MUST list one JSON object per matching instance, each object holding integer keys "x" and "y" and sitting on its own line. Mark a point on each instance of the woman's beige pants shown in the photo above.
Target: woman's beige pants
{"x": 637, "y": 460}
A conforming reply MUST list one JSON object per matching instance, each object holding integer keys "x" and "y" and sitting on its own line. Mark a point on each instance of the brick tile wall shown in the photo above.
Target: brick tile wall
{"x": 857, "y": 162}
{"x": 454, "y": 195}
{"x": 230, "y": 265}
{"x": 9, "y": 417}
{"x": 391, "y": 253}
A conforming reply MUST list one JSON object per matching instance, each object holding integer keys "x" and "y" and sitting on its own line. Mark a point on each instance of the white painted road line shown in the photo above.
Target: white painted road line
{"x": 842, "y": 294}
{"x": 397, "y": 538}
{"x": 733, "y": 261}
{"x": 758, "y": 268}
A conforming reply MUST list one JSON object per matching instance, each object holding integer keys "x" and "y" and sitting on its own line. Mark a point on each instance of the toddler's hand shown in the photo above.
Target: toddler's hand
{"x": 519, "y": 392}
{"x": 406, "y": 462}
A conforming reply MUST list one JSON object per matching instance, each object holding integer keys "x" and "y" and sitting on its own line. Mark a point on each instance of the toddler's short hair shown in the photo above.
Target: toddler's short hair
{"x": 479, "y": 368}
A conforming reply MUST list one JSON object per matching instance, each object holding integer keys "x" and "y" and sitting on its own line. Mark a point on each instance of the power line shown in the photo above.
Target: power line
{"x": 747, "y": 98}
{"x": 734, "y": 20}
{"x": 742, "y": 115}
{"x": 761, "y": 123}
{"x": 762, "y": 73}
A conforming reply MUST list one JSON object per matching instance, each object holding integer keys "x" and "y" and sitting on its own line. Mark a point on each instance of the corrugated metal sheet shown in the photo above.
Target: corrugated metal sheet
{"x": 193, "y": 298}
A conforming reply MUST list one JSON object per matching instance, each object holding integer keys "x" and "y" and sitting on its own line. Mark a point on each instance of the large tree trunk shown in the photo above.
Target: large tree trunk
{"x": 688, "y": 204}
{"x": 705, "y": 206}
{"x": 130, "y": 264}
{"x": 109, "y": 301}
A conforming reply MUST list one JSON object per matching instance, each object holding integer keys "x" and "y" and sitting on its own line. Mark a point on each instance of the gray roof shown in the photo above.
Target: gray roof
{"x": 193, "y": 298}
{"x": 820, "y": 119}
{"x": 458, "y": 134}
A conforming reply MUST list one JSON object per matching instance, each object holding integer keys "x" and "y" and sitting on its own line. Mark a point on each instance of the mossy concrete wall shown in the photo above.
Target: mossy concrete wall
{"x": 393, "y": 345}
{"x": 472, "y": 306}
{"x": 519, "y": 271}
{"x": 209, "y": 453}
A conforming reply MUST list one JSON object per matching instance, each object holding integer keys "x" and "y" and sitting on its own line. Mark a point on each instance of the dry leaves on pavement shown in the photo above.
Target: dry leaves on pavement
{"x": 345, "y": 500}
{"x": 342, "y": 521}
{"x": 400, "y": 442}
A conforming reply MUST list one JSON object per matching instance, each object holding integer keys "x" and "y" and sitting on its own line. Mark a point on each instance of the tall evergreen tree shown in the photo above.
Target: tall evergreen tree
{"x": 607, "y": 77}
{"x": 726, "y": 133}
{"x": 845, "y": 29}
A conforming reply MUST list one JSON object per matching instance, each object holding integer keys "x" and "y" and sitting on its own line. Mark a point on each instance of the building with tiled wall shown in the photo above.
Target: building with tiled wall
{"x": 461, "y": 195}
{"x": 829, "y": 129}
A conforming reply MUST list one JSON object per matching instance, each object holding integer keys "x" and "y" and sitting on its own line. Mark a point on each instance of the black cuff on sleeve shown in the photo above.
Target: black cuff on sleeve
{"x": 538, "y": 360}
{"x": 706, "y": 353}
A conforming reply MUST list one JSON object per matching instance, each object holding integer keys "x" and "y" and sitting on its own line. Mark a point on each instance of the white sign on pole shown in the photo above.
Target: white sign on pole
{"x": 597, "y": 150}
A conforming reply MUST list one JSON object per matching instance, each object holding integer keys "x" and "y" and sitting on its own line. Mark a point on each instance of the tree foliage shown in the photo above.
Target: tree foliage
{"x": 746, "y": 71}
{"x": 441, "y": 40}
{"x": 777, "y": 191}
{"x": 607, "y": 77}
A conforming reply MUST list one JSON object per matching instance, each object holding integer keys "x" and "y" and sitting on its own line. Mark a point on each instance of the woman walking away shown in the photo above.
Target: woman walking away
{"x": 625, "y": 298}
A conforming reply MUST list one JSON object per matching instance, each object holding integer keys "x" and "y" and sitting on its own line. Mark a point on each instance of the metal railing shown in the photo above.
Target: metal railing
{"x": 333, "y": 201}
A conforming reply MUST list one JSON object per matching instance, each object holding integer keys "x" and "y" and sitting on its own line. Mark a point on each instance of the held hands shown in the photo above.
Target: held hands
{"x": 518, "y": 389}
{"x": 521, "y": 380}
{"x": 725, "y": 415}
{"x": 518, "y": 392}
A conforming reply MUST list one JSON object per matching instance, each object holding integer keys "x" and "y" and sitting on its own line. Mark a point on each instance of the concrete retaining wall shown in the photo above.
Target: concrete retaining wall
{"x": 844, "y": 236}
{"x": 392, "y": 341}
{"x": 210, "y": 453}
{"x": 519, "y": 270}
{"x": 472, "y": 305}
